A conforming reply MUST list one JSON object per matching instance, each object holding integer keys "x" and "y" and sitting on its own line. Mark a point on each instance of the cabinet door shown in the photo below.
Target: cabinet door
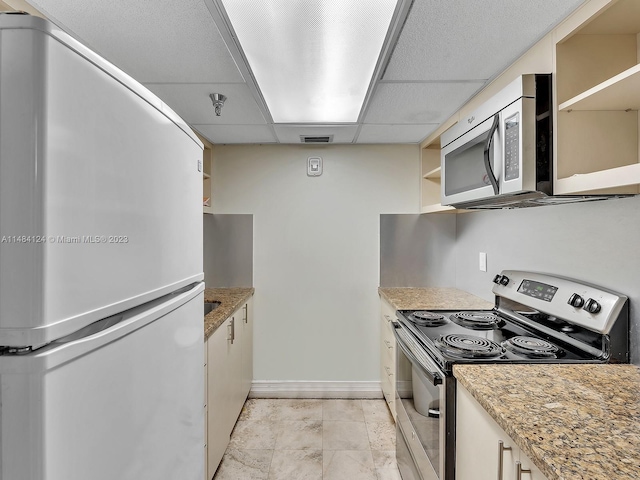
{"x": 478, "y": 439}
{"x": 206, "y": 420}
{"x": 388, "y": 356}
{"x": 235, "y": 359}
{"x": 247, "y": 348}
{"x": 220, "y": 419}
{"x": 388, "y": 365}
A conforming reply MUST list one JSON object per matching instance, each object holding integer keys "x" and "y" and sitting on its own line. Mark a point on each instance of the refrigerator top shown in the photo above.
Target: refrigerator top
{"x": 29, "y": 22}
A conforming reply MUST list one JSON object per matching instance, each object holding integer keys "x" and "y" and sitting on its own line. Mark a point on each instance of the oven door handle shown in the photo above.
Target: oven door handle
{"x": 487, "y": 151}
{"x": 408, "y": 345}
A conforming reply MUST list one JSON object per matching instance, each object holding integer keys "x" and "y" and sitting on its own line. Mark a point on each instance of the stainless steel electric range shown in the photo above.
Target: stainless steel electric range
{"x": 537, "y": 318}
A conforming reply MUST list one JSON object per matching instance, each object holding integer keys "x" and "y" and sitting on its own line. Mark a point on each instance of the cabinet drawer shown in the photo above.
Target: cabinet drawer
{"x": 387, "y": 310}
{"x": 387, "y": 338}
{"x": 386, "y": 378}
{"x": 387, "y": 384}
{"x": 386, "y": 330}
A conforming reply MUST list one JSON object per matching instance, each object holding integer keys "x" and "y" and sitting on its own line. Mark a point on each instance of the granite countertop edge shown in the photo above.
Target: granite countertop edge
{"x": 230, "y": 300}
{"x": 573, "y": 421}
{"x": 432, "y": 298}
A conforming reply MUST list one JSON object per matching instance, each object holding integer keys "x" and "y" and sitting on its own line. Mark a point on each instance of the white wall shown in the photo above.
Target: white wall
{"x": 316, "y": 250}
{"x": 594, "y": 242}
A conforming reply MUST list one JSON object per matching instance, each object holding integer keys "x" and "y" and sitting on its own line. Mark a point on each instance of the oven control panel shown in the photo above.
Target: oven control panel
{"x": 594, "y": 308}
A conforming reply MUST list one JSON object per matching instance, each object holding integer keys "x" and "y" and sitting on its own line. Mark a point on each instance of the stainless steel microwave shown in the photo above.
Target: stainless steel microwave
{"x": 502, "y": 153}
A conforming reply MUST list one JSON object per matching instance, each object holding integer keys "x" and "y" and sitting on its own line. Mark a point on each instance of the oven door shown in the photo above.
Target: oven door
{"x": 421, "y": 411}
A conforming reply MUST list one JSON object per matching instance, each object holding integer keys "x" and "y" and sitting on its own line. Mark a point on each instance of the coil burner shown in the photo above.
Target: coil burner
{"x": 468, "y": 346}
{"x": 427, "y": 319}
{"x": 476, "y": 320}
{"x": 531, "y": 347}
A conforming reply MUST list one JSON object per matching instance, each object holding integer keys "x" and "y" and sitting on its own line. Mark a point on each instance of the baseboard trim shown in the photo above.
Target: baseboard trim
{"x": 314, "y": 389}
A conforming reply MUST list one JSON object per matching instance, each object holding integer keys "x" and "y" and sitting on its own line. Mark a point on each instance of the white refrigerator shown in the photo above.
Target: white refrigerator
{"x": 101, "y": 293}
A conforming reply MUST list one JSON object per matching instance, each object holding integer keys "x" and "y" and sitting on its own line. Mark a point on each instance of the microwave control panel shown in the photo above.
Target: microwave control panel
{"x": 512, "y": 147}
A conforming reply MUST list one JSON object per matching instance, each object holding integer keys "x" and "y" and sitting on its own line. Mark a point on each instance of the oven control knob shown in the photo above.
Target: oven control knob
{"x": 576, "y": 300}
{"x": 504, "y": 280}
{"x": 591, "y": 306}
{"x": 497, "y": 278}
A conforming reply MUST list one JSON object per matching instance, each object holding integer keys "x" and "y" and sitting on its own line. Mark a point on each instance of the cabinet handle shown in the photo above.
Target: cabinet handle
{"x": 520, "y": 471}
{"x": 231, "y": 330}
{"x": 388, "y": 343}
{"x": 501, "y": 450}
{"x": 246, "y": 315}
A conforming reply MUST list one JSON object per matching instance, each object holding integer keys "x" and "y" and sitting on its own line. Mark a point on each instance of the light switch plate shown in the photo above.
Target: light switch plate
{"x": 314, "y": 166}
{"x": 482, "y": 261}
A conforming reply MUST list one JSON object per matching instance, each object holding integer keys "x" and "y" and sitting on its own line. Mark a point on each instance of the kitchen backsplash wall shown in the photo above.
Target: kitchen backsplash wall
{"x": 228, "y": 250}
{"x": 405, "y": 262}
{"x": 596, "y": 242}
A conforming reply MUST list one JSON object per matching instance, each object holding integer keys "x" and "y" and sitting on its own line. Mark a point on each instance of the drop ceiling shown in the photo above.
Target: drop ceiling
{"x": 445, "y": 52}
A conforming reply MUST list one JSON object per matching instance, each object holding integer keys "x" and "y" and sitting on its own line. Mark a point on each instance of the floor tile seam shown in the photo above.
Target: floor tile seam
{"x": 297, "y": 421}
{"x": 343, "y": 421}
{"x": 349, "y": 399}
{"x": 338, "y": 420}
{"x": 298, "y": 449}
{"x": 386, "y": 422}
{"x": 251, "y": 449}
{"x": 345, "y": 450}
{"x": 270, "y": 463}
{"x": 366, "y": 427}
{"x": 373, "y": 469}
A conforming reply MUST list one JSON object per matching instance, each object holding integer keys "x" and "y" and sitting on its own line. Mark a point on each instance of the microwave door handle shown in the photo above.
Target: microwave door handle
{"x": 487, "y": 150}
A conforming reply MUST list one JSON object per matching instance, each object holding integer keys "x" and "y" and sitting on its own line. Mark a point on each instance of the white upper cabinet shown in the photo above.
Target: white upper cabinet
{"x": 598, "y": 98}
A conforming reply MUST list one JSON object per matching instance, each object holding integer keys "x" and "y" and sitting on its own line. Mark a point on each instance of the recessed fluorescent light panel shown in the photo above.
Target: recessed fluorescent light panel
{"x": 312, "y": 59}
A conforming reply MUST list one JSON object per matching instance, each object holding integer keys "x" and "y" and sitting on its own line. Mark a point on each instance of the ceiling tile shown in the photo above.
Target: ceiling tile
{"x": 446, "y": 52}
{"x": 192, "y": 102}
{"x": 418, "y": 103}
{"x": 395, "y": 133}
{"x": 463, "y": 40}
{"x": 236, "y": 133}
{"x": 159, "y": 41}
{"x": 291, "y": 133}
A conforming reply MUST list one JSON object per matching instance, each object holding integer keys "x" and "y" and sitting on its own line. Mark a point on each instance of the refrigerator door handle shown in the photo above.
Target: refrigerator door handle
{"x": 99, "y": 333}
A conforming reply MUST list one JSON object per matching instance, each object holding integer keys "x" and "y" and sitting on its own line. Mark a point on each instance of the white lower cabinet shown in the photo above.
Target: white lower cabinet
{"x": 388, "y": 356}
{"x": 483, "y": 450}
{"x": 247, "y": 347}
{"x": 229, "y": 373}
{"x": 206, "y": 422}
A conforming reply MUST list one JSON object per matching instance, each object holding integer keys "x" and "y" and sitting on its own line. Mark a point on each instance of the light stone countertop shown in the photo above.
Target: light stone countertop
{"x": 434, "y": 298}
{"x": 573, "y": 421}
{"x": 230, "y": 300}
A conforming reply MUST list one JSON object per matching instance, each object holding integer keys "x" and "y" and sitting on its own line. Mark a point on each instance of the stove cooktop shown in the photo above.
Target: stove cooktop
{"x": 537, "y": 318}
{"x": 488, "y": 336}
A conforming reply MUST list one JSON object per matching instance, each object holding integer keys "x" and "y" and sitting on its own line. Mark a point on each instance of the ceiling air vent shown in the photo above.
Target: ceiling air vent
{"x": 316, "y": 139}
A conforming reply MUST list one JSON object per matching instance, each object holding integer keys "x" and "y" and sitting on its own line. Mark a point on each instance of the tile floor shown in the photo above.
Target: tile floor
{"x": 286, "y": 439}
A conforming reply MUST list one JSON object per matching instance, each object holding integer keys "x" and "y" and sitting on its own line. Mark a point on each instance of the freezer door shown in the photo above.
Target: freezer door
{"x": 100, "y": 188}
{"x": 122, "y": 403}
